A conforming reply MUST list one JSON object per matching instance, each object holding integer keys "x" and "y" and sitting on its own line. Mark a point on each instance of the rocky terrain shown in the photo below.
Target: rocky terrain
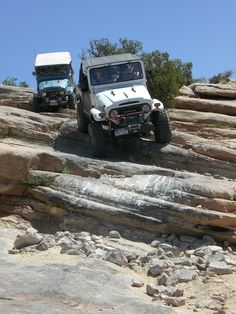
{"x": 149, "y": 229}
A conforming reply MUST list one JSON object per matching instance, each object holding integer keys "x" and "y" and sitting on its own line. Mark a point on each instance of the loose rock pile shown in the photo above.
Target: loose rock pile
{"x": 170, "y": 261}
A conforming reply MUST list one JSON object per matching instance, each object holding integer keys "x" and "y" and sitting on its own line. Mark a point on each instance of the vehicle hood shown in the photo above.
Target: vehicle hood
{"x": 117, "y": 96}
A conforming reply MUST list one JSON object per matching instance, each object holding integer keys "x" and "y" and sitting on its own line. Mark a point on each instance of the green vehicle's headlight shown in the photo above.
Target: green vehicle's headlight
{"x": 61, "y": 92}
{"x": 44, "y": 94}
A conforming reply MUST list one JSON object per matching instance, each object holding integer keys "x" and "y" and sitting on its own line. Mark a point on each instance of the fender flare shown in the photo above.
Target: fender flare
{"x": 95, "y": 115}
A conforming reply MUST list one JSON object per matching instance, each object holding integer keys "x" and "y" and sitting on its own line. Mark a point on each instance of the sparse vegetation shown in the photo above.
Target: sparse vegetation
{"x": 65, "y": 169}
{"x": 219, "y": 126}
{"x": 34, "y": 181}
{"x": 221, "y": 77}
{"x": 12, "y": 81}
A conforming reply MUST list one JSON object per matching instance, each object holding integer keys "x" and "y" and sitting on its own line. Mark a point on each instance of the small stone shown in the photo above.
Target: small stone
{"x": 43, "y": 246}
{"x": 131, "y": 256}
{"x": 29, "y": 238}
{"x": 116, "y": 256}
{"x": 170, "y": 254}
{"x": 66, "y": 248}
{"x": 89, "y": 247}
{"x": 219, "y": 257}
{"x": 172, "y": 280}
{"x": 202, "y": 251}
{"x": 156, "y": 266}
{"x": 215, "y": 249}
{"x": 151, "y": 290}
{"x": 114, "y": 234}
{"x": 175, "y": 301}
{"x": 177, "y": 292}
{"x": 185, "y": 275}
{"x": 96, "y": 238}
{"x": 219, "y": 268}
{"x": 137, "y": 283}
{"x": 13, "y": 251}
{"x": 155, "y": 243}
{"x": 75, "y": 252}
{"x": 162, "y": 279}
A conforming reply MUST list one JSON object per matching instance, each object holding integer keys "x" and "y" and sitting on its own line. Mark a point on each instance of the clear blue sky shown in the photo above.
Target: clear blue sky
{"x": 202, "y": 32}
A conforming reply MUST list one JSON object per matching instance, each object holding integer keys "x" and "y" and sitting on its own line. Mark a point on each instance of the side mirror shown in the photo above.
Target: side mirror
{"x": 33, "y": 73}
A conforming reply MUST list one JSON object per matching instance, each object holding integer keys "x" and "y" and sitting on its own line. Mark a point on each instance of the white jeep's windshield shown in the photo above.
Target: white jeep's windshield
{"x": 116, "y": 73}
{"x": 54, "y": 83}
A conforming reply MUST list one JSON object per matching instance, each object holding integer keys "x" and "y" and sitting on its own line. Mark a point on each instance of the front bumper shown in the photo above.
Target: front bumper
{"x": 133, "y": 125}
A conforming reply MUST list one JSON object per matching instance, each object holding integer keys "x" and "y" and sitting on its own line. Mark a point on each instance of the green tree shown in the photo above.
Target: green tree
{"x": 130, "y": 46}
{"x": 221, "y": 77}
{"x": 23, "y": 84}
{"x": 11, "y": 81}
{"x": 165, "y": 76}
{"x": 104, "y": 47}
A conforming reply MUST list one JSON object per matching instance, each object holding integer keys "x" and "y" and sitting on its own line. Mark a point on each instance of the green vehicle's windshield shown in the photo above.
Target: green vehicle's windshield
{"x": 116, "y": 73}
{"x": 54, "y": 83}
{"x": 52, "y": 70}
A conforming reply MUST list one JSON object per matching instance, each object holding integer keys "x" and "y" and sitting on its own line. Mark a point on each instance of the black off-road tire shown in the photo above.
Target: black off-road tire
{"x": 162, "y": 125}
{"x": 72, "y": 102}
{"x": 97, "y": 139}
{"x": 82, "y": 120}
{"x": 37, "y": 105}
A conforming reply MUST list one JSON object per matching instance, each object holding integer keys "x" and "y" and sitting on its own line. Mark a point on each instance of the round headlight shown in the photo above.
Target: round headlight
{"x": 61, "y": 92}
{"x": 146, "y": 107}
{"x": 44, "y": 94}
{"x": 113, "y": 113}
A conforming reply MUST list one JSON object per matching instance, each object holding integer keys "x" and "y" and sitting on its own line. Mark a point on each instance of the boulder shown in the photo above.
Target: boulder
{"x": 18, "y": 97}
{"x": 227, "y": 107}
{"x": 225, "y": 91}
{"x": 186, "y": 91}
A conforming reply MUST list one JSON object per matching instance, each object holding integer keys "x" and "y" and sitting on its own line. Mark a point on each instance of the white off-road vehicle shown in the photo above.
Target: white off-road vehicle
{"x": 115, "y": 102}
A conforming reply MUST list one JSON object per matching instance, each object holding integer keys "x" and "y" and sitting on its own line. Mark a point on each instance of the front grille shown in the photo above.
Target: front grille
{"x": 129, "y": 110}
{"x": 53, "y": 93}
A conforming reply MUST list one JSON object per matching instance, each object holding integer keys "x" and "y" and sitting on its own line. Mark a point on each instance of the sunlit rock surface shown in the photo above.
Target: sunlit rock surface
{"x": 187, "y": 186}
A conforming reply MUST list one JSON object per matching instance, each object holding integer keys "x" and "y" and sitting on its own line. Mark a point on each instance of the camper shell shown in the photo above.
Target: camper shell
{"x": 116, "y": 104}
{"x": 55, "y": 82}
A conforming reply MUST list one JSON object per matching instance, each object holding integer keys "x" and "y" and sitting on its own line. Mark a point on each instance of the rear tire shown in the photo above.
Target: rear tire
{"x": 97, "y": 139}
{"x": 82, "y": 120}
{"x": 162, "y": 130}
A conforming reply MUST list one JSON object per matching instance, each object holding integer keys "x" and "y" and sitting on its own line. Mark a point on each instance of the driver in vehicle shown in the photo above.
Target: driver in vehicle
{"x": 98, "y": 77}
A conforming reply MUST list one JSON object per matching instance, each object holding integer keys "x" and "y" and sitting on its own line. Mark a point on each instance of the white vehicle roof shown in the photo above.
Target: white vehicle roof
{"x": 125, "y": 57}
{"x": 52, "y": 58}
